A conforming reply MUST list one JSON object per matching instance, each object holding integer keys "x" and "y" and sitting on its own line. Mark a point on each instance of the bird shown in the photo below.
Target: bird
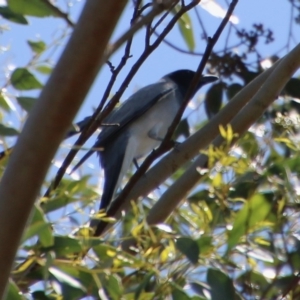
{"x": 138, "y": 126}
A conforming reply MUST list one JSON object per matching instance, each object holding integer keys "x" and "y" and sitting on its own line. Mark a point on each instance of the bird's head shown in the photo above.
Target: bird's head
{"x": 183, "y": 79}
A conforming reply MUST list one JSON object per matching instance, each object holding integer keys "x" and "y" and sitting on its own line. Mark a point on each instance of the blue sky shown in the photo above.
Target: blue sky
{"x": 274, "y": 15}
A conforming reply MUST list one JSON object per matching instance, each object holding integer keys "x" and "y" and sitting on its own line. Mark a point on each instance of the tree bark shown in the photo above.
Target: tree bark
{"x": 48, "y": 122}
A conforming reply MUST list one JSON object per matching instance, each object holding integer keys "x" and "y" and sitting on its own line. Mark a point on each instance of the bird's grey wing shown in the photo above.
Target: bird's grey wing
{"x": 130, "y": 110}
{"x": 133, "y": 108}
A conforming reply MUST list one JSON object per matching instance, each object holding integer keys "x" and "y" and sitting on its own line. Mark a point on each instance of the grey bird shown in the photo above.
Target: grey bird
{"x": 138, "y": 127}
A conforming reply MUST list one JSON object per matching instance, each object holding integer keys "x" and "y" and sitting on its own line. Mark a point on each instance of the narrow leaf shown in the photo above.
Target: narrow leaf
{"x": 65, "y": 245}
{"x": 213, "y": 99}
{"x": 178, "y": 293}
{"x": 249, "y": 217}
{"x": 13, "y": 292}
{"x": 292, "y": 88}
{"x": 40, "y": 227}
{"x": 221, "y": 285}
{"x": 8, "y": 131}
{"x": 189, "y": 248}
{"x": 5, "y": 103}
{"x": 233, "y": 89}
{"x": 186, "y": 30}
{"x": 114, "y": 286}
{"x": 66, "y": 278}
{"x": 143, "y": 285}
{"x": 44, "y": 69}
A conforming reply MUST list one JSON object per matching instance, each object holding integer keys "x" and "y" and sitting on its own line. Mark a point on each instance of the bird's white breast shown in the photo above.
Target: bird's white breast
{"x": 155, "y": 121}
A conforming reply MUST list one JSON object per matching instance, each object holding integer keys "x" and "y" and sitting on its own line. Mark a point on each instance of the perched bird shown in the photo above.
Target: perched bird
{"x": 138, "y": 126}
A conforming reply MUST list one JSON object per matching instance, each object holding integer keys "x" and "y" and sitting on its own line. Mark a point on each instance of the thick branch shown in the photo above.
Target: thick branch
{"x": 264, "y": 97}
{"x": 49, "y": 121}
{"x": 191, "y": 147}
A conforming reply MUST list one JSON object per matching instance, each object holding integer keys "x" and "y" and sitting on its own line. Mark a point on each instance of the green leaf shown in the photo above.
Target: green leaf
{"x": 39, "y": 227}
{"x": 36, "y": 8}
{"x": 105, "y": 252}
{"x": 200, "y": 288}
{"x": 13, "y": 292}
{"x": 63, "y": 277}
{"x": 64, "y": 246}
{"x": 245, "y": 185}
{"x": 293, "y": 163}
{"x": 58, "y": 202}
{"x": 22, "y": 79}
{"x": 88, "y": 279}
{"x": 51, "y": 204}
{"x": 186, "y": 30}
{"x": 8, "y": 14}
{"x": 247, "y": 76}
{"x": 253, "y": 277}
{"x": 292, "y": 88}
{"x": 68, "y": 192}
{"x": 26, "y": 102}
{"x": 233, "y": 89}
{"x": 5, "y": 102}
{"x": 37, "y": 47}
{"x": 178, "y": 293}
{"x": 70, "y": 292}
{"x": 34, "y": 229}
{"x": 44, "y": 69}
{"x": 221, "y": 285}
{"x": 254, "y": 211}
{"x": 205, "y": 244}
{"x": 143, "y": 285}
{"x": 249, "y": 144}
{"x": 40, "y": 295}
{"x": 189, "y": 248}
{"x": 213, "y": 99}
{"x": 183, "y": 128}
{"x": 113, "y": 285}
{"x": 8, "y": 131}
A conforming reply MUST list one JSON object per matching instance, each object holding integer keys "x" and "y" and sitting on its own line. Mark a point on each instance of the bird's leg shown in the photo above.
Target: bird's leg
{"x": 152, "y": 135}
{"x": 136, "y": 163}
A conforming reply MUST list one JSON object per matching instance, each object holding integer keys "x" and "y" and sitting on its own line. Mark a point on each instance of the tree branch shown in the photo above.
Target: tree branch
{"x": 190, "y": 147}
{"x": 264, "y": 97}
{"x": 59, "y": 13}
{"x": 99, "y": 115}
{"x": 165, "y": 145}
{"x": 49, "y": 121}
{"x": 95, "y": 120}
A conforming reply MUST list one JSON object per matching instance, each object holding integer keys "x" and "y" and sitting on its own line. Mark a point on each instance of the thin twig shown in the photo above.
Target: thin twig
{"x": 92, "y": 125}
{"x": 165, "y": 145}
{"x": 59, "y": 13}
{"x": 201, "y": 24}
{"x": 178, "y": 48}
{"x": 156, "y": 10}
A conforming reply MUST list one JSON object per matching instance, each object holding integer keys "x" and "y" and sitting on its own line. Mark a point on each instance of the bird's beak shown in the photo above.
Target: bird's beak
{"x": 208, "y": 79}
